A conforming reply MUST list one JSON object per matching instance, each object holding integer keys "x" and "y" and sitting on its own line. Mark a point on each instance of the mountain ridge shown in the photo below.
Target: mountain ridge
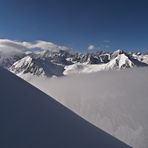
{"x": 46, "y": 63}
{"x": 48, "y": 59}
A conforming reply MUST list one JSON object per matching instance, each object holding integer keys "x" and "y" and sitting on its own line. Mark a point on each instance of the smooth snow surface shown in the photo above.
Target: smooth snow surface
{"x": 31, "y": 119}
{"x": 115, "y": 101}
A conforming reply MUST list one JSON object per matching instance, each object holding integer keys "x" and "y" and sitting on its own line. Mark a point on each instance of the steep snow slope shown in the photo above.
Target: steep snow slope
{"x": 115, "y": 101}
{"x": 29, "y": 118}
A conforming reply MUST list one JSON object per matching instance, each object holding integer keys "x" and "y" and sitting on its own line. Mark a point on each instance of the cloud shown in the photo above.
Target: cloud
{"x": 105, "y": 44}
{"x": 106, "y": 41}
{"x": 102, "y": 45}
{"x": 91, "y": 47}
{"x": 115, "y": 101}
{"x": 44, "y": 45}
{"x": 11, "y": 46}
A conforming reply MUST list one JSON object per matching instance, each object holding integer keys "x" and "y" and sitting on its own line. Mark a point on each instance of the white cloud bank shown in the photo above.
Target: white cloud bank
{"x": 91, "y": 47}
{"x": 11, "y": 46}
{"x": 115, "y": 101}
{"x": 106, "y": 41}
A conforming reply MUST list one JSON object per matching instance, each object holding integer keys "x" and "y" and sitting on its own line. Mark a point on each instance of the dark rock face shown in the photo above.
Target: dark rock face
{"x": 90, "y": 59}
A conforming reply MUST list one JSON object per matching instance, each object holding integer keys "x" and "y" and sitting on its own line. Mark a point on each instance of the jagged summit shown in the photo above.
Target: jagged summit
{"x": 116, "y": 53}
{"x": 58, "y": 63}
{"x": 120, "y": 61}
{"x": 36, "y": 66}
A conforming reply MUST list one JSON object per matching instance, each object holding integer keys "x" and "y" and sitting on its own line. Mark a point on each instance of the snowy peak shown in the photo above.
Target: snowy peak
{"x": 121, "y": 61}
{"x": 21, "y": 65}
{"x": 117, "y": 53}
{"x": 36, "y": 66}
{"x": 141, "y": 57}
{"x": 46, "y": 63}
{"x": 41, "y": 58}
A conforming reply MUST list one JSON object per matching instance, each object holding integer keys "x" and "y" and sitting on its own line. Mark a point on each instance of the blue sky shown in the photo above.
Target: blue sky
{"x": 106, "y": 24}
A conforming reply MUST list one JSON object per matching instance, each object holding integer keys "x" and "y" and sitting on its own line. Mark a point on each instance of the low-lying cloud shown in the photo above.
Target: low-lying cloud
{"x": 11, "y": 46}
{"x": 114, "y": 101}
{"x": 91, "y": 47}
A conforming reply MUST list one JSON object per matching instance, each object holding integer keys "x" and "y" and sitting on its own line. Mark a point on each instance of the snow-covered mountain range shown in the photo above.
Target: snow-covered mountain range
{"x": 47, "y": 63}
{"x": 42, "y": 58}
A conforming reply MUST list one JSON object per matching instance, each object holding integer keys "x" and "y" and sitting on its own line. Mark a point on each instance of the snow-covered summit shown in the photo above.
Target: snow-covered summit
{"x": 141, "y": 57}
{"x": 37, "y": 67}
{"x": 117, "y": 53}
{"x": 121, "y": 61}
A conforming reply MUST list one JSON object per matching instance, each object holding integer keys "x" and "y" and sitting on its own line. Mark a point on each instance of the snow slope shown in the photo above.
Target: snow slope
{"x": 29, "y": 118}
{"x": 115, "y": 101}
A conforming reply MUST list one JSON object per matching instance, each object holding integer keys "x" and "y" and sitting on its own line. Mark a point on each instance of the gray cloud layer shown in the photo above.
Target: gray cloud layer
{"x": 114, "y": 101}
